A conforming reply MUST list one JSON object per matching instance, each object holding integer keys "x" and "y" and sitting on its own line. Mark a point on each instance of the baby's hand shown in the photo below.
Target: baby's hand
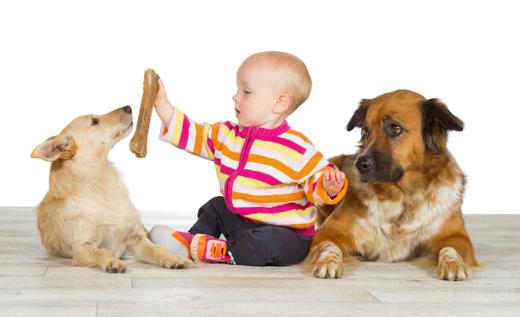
{"x": 333, "y": 180}
{"x": 162, "y": 105}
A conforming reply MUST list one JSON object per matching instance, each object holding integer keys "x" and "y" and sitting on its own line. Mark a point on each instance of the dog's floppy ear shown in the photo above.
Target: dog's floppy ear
{"x": 56, "y": 147}
{"x": 437, "y": 121}
{"x": 358, "y": 118}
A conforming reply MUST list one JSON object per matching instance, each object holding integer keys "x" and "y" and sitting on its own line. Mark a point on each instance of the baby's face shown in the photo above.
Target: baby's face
{"x": 257, "y": 92}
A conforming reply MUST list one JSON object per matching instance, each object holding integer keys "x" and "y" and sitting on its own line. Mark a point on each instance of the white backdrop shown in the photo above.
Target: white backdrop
{"x": 61, "y": 59}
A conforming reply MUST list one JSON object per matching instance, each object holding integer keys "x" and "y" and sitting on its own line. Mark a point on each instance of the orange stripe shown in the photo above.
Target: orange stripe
{"x": 284, "y": 168}
{"x": 198, "y": 139}
{"x": 325, "y": 197}
{"x": 183, "y": 241}
{"x": 310, "y": 192}
{"x": 313, "y": 162}
{"x": 201, "y": 246}
{"x": 322, "y": 193}
{"x": 299, "y": 134}
{"x": 310, "y": 183}
{"x": 281, "y": 198}
{"x": 179, "y": 238}
{"x": 228, "y": 153}
{"x": 214, "y": 136}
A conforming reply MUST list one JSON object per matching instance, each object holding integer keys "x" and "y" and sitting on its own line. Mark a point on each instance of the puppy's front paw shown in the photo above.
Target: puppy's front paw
{"x": 451, "y": 267}
{"x": 327, "y": 261}
{"x": 114, "y": 266}
{"x": 174, "y": 262}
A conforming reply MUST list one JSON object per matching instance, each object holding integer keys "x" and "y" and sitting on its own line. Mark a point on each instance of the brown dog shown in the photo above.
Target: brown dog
{"x": 87, "y": 214}
{"x": 405, "y": 191}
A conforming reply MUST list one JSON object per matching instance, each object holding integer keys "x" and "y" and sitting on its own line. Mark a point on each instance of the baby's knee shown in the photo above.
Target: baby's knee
{"x": 267, "y": 246}
{"x": 212, "y": 205}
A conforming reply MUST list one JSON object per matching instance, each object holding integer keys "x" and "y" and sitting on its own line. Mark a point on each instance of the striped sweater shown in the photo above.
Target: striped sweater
{"x": 271, "y": 176}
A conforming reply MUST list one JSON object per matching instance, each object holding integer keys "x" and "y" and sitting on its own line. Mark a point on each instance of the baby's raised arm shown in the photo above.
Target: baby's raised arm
{"x": 163, "y": 107}
{"x": 182, "y": 132}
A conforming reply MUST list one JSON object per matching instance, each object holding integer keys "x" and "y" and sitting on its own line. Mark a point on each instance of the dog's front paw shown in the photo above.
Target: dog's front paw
{"x": 174, "y": 262}
{"x": 327, "y": 261}
{"x": 114, "y": 266}
{"x": 451, "y": 267}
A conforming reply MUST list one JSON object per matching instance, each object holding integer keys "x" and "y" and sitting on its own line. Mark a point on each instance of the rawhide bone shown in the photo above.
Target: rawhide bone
{"x": 140, "y": 138}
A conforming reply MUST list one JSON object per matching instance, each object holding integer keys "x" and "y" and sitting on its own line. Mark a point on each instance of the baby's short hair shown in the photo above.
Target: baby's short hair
{"x": 296, "y": 74}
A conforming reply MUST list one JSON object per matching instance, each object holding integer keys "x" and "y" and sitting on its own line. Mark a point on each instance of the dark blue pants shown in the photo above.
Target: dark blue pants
{"x": 250, "y": 243}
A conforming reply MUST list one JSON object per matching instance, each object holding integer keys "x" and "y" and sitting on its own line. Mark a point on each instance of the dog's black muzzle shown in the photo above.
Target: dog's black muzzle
{"x": 374, "y": 166}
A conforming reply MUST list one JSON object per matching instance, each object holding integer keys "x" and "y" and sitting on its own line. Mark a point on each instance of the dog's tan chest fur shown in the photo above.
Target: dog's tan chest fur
{"x": 97, "y": 204}
{"x": 393, "y": 229}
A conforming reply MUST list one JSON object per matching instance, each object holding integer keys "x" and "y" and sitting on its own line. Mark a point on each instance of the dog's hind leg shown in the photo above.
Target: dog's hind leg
{"x": 88, "y": 254}
{"x": 146, "y": 251}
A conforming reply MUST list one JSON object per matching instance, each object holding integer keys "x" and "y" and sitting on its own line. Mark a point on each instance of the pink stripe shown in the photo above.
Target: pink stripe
{"x": 228, "y": 125}
{"x": 270, "y": 210}
{"x": 266, "y": 178}
{"x": 309, "y": 232}
{"x": 226, "y": 170}
{"x": 185, "y": 132}
{"x": 285, "y": 142}
{"x": 232, "y": 127}
{"x": 210, "y": 144}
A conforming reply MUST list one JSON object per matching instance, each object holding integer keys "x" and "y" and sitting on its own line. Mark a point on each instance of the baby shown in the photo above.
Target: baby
{"x": 270, "y": 175}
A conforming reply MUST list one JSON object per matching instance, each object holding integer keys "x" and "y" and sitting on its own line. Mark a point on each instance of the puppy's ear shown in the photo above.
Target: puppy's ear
{"x": 358, "y": 118}
{"x": 56, "y": 147}
{"x": 437, "y": 121}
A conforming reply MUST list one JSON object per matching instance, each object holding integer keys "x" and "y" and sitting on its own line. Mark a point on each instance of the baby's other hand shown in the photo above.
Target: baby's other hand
{"x": 333, "y": 180}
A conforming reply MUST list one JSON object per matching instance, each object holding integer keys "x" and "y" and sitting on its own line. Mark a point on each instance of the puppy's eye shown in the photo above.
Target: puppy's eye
{"x": 94, "y": 121}
{"x": 394, "y": 130}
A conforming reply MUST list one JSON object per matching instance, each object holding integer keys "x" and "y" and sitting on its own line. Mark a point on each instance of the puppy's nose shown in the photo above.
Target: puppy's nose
{"x": 127, "y": 109}
{"x": 364, "y": 164}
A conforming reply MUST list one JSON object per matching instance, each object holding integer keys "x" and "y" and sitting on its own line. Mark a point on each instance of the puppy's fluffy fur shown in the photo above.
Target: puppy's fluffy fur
{"x": 87, "y": 214}
{"x": 405, "y": 193}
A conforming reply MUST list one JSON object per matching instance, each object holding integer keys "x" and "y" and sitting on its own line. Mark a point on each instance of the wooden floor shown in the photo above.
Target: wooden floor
{"x": 33, "y": 283}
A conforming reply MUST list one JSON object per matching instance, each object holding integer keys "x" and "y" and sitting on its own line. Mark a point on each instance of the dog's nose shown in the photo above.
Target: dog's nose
{"x": 127, "y": 109}
{"x": 364, "y": 164}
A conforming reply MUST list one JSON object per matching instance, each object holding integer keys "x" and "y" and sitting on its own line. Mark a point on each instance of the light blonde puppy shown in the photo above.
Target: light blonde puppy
{"x": 87, "y": 213}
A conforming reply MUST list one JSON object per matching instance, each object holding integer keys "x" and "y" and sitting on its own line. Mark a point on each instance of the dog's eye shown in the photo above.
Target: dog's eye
{"x": 94, "y": 121}
{"x": 394, "y": 130}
